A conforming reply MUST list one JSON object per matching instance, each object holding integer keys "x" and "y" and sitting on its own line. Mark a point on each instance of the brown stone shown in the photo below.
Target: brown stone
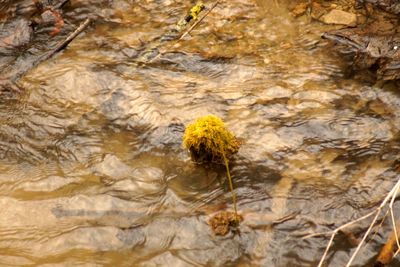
{"x": 340, "y": 17}
{"x": 299, "y": 9}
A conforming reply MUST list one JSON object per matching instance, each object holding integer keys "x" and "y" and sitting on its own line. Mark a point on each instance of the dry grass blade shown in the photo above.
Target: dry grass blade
{"x": 391, "y": 194}
{"x": 378, "y": 211}
{"x": 334, "y": 233}
{"x": 389, "y": 197}
{"x": 61, "y": 45}
{"x": 378, "y": 227}
{"x": 397, "y": 252}
{"x": 392, "y": 216}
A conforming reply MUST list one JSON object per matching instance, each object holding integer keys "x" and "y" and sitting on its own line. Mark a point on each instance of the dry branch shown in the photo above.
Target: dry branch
{"x": 17, "y": 71}
{"x": 199, "y": 21}
{"x": 389, "y": 197}
{"x": 61, "y": 45}
{"x": 161, "y": 53}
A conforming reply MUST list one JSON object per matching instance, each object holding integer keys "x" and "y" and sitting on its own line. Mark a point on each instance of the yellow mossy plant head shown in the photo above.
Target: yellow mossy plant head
{"x": 208, "y": 139}
{"x": 195, "y": 11}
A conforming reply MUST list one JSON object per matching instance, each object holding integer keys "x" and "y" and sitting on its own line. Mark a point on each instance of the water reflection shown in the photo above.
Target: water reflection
{"x": 92, "y": 168}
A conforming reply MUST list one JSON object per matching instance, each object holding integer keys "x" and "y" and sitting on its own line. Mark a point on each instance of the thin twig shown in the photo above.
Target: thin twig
{"x": 61, "y": 45}
{"x": 198, "y": 21}
{"x": 337, "y": 230}
{"x": 377, "y": 211}
{"x": 187, "y": 32}
{"x": 392, "y": 216}
{"x": 397, "y": 252}
{"x": 392, "y": 193}
{"x": 18, "y": 71}
{"x": 379, "y": 226}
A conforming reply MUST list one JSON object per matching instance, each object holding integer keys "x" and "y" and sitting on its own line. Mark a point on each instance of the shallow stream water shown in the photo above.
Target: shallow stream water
{"x": 92, "y": 169}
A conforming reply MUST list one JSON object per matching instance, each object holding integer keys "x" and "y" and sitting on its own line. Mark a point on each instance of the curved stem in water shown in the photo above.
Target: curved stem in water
{"x": 228, "y": 174}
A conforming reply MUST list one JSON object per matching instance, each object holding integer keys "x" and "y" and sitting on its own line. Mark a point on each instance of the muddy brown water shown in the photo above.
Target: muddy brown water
{"x": 92, "y": 170}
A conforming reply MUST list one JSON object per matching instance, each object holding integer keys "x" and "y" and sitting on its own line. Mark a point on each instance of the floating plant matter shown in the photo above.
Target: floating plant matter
{"x": 208, "y": 140}
{"x": 222, "y": 222}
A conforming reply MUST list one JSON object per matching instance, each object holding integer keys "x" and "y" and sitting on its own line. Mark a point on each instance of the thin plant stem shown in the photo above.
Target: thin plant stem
{"x": 198, "y": 21}
{"x": 392, "y": 216}
{"x": 392, "y": 193}
{"x": 228, "y": 174}
{"x": 376, "y": 212}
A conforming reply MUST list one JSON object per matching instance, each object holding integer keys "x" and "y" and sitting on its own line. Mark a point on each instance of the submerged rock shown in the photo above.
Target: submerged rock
{"x": 380, "y": 52}
{"x": 340, "y": 17}
{"x": 391, "y": 6}
{"x": 15, "y": 35}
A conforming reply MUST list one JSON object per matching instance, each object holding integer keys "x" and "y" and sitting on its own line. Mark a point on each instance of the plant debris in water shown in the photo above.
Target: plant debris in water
{"x": 375, "y": 42}
{"x": 391, "y": 6}
{"x": 224, "y": 221}
{"x": 381, "y": 52}
{"x": 192, "y": 15}
{"x": 208, "y": 139}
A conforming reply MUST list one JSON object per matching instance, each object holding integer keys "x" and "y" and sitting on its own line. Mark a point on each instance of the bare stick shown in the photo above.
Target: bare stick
{"x": 18, "y": 71}
{"x": 397, "y": 252}
{"x": 392, "y": 216}
{"x": 379, "y": 226}
{"x": 188, "y": 31}
{"x": 61, "y": 45}
{"x": 199, "y": 20}
{"x": 377, "y": 211}
{"x": 391, "y": 194}
{"x": 337, "y": 230}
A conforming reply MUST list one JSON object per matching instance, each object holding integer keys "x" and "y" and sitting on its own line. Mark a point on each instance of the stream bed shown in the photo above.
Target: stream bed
{"x": 92, "y": 168}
